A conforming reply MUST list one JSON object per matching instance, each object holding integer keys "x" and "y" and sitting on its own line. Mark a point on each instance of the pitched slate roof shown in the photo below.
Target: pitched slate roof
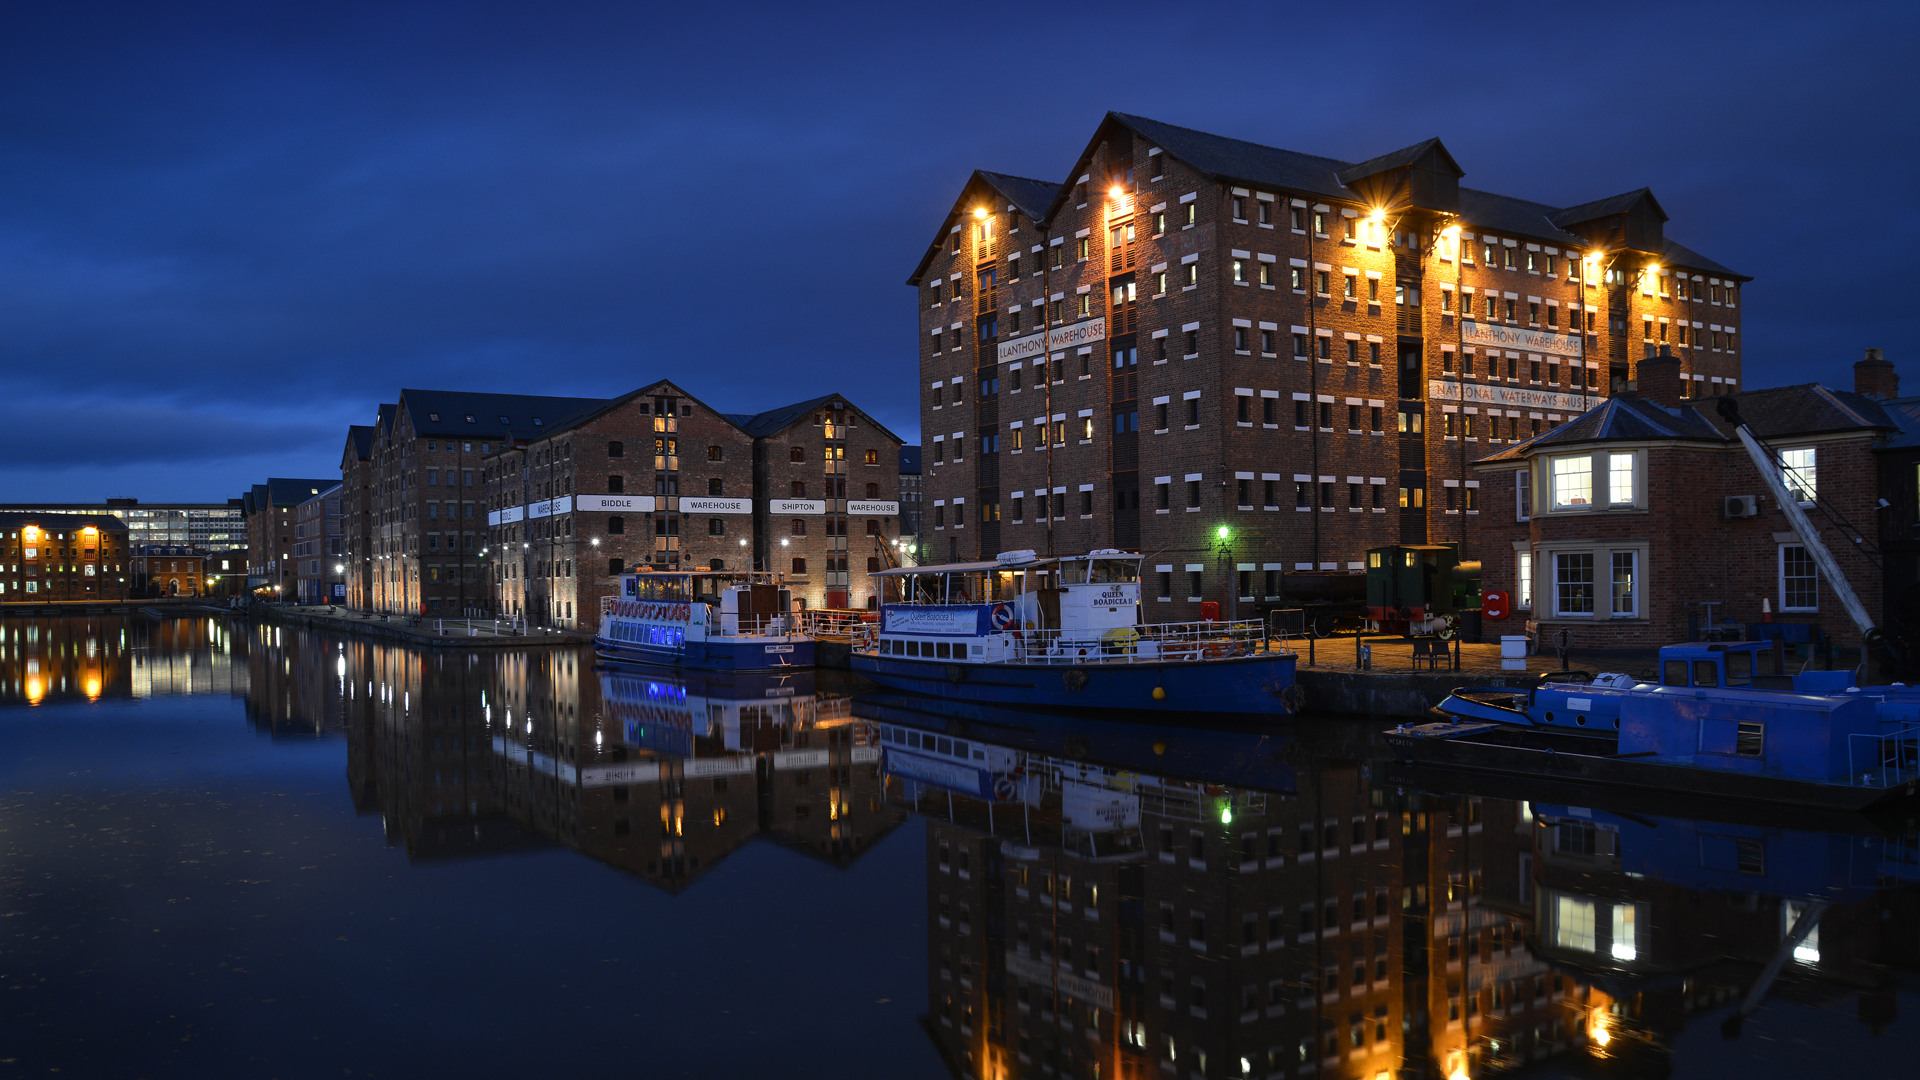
{"x": 1906, "y": 413}
{"x": 1503, "y": 213}
{"x": 1609, "y": 206}
{"x": 1395, "y": 159}
{"x": 1676, "y": 254}
{"x": 653, "y": 388}
{"x": 282, "y": 491}
{"x": 445, "y": 412}
{"x": 1031, "y": 196}
{"x": 361, "y": 436}
{"x": 774, "y": 421}
{"x": 1772, "y": 413}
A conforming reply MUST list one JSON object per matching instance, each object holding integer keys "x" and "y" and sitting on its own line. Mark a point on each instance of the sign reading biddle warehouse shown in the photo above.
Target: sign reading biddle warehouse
{"x": 1490, "y": 336}
{"x": 1081, "y": 333}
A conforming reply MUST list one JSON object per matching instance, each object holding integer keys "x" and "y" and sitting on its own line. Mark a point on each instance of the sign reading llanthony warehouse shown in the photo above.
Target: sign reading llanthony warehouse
{"x": 1512, "y": 397}
{"x": 1081, "y": 333}
{"x": 1488, "y": 336}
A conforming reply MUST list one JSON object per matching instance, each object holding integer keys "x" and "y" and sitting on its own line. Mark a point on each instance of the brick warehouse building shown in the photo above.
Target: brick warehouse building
{"x": 1618, "y": 526}
{"x": 658, "y": 478}
{"x": 63, "y": 557}
{"x": 356, "y": 513}
{"x": 268, "y": 510}
{"x": 1094, "y": 374}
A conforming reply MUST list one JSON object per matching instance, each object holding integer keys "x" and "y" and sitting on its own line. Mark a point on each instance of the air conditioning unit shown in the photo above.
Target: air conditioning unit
{"x": 1743, "y": 506}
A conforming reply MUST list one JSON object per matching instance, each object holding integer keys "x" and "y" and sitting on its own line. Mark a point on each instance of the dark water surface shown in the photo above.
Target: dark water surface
{"x": 233, "y": 850}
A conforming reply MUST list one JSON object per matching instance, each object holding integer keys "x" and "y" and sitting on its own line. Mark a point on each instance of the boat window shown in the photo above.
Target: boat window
{"x": 945, "y": 745}
{"x": 1114, "y": 570}
{"x": 1073, "y": 573}
{"x": 960, "y": 748}
{"x": 1676, "y": 673}
{"x": 1739, "y": 667}
{"x": 1749, "y": 738}
{"x": 1706, "y": 673}
{"x": 1763, "y": 663}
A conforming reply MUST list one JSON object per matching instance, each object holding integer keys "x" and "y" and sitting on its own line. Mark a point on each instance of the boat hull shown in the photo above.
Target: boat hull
{"x": 1261, "y": 684}
{"x": 1498, "y": 754}
{"x": 711, "y": 655}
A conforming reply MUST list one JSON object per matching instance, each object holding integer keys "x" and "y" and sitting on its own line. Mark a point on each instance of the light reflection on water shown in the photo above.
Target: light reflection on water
{"x": 1075, "y": 898}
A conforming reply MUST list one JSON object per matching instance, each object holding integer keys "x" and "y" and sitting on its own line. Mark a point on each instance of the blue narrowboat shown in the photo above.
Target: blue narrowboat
{"x": 708, "y": 620}
{"x": 1064, "y": 633}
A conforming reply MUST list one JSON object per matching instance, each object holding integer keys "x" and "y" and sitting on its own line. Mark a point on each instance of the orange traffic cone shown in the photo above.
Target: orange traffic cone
{"x": 1766, "y": 611}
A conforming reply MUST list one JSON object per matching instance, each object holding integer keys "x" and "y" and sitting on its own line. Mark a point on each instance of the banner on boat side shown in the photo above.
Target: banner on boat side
{"x": 1074, "y": 986}
{"x": 971, "y": 620}
{"x": 1513, "y": 397}
{"x": 873, "y": 507}
{"x": 1096, "y": 808}
{"x": 708, "y": 505}
{"x": 1493, "y": 336}
{"x": 1085, "y": 332}
{"x": 636, "y": 504}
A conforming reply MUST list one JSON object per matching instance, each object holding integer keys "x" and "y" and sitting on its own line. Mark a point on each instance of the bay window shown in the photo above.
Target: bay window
{"x": 1573, "y": 583}
{"x": 1620, "y": 479}
{"x": 1572, "y": 479}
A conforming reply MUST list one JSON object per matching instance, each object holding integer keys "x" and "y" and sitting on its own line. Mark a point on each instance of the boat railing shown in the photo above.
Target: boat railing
{"x": 748, "y": 625}
{"x": 1154, "y": 643}
{"x": 833, "y": 624}
{"x": 1883, "y": 759}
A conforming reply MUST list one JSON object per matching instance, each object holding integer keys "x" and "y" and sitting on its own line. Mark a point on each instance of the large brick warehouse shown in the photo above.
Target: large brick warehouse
{"x": 1190, "y": 332}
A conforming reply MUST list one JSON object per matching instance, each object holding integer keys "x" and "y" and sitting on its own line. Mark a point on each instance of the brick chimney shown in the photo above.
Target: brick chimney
{"x": 1659, "y": 379}
{"x": 1875, "y": 377}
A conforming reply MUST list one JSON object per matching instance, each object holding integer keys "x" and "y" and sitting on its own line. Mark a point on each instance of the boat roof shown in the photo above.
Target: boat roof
{"x": 961, "y": 567}
{"x": 1717, "y": 646}
{"x": 650, "y": 572}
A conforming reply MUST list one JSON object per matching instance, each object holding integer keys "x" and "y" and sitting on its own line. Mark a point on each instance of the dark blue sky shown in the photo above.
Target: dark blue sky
{"x": 228, "y": 232}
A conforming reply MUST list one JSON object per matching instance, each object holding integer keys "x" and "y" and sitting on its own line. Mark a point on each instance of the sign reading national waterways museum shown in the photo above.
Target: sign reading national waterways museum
{"x": 1512, "y": 397}
{"x": 1491, "y": 336}
{"x": 1085, "y": 332}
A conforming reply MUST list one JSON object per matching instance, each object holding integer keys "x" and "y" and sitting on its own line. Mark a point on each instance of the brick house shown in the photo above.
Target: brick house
{"x": 168, "y": 570}
{"x": 63, "y": 557}
{"x": 268, "y": 512}
{"x": 319, "y": 552}
{"x": 1621, "y": 525}
{"x": 1193, "y": 332}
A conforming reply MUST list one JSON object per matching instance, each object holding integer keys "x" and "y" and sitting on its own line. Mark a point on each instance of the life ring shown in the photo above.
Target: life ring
{"x": 1002, "y": 616}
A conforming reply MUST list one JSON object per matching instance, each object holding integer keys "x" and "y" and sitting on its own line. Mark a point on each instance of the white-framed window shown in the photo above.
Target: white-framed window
{"x": 1620, "y": 479}
{"x": 1573, "y": 583}
{"x": 1625, "y": 583}
{"x": 1572, "y": 479}
{"x": 1808, "y": 951}
{"x": 1797, "y": 470}
{"x": 1626, "y": 937}
{"x": 1799, "y": 579}
{"x": 1523, "y": 581}
{"x": 1573, "y": 923}
{"x": 1523, "y": 495}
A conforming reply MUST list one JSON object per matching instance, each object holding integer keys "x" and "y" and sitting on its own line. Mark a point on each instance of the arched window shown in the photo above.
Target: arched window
{"x": 799, "y": 565}
{"x": 798, "y": 454}
{"x": 616, "y": 567}
{"x": 616, "y": 525}
{"x": 714, "y": 454}
{"x": 799, "y": 489}
{"x": 873, "y": 527}
{"x": 616, "y": 448}
{"x": 799, "y": 526}
{"x": 873, "y": 457}
{"x": 718, "y": 564}
{"x": 873, "y": 491}
{"x": 873, "y": 564}
{"x": 615, "y": 484}
{"x": 716, "y": 526}
{"x": 713, "y": 486}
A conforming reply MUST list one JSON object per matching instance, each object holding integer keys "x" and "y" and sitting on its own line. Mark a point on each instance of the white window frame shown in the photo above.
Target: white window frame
{"x": 1523, "y": 581}
{"x": 1634, "y": 587}
{"x": 1592, "y": 584}
{"x": 1553, "y": 483}
{"x": 1632, "y": 461}
{"x": 1781, "y": 577}
{"x": 1523, "y": 495}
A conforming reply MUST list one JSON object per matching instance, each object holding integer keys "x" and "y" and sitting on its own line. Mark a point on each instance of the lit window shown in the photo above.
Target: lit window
{"x": 1573, "y": 583}
{"x": 1797, "y": 470}
{"x": 1523, "y": 581}
{"x": 1572, "y": 482}
{"x": 1623, "y": 932}
{"x": 1573, "y": 924}
{"x": 1620, "y": 479}
{"x": 1623, "y": 583}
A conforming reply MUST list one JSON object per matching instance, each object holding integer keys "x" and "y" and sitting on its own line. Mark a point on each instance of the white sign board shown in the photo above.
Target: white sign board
{"x": 723, "y": 766}
{"x": 797, "y": 506}
{"x": 1512, "y": 397}
{"x": 1034, "y": 971}
{"x": 636, "y": 772}
{"x": 800, "y": 759}
{"x": 1096, "y": 808}
{"x": 1493, "y": 336}
{"x": 706, "y": 505}
{"x": 561, "y": 505}
{"x": 632, "y": 504}
{"x": 964, "y": 621}
{"x": 1081, "y": 333}
{"x": 875, "y": 508}
{"x": 508, "y": 516}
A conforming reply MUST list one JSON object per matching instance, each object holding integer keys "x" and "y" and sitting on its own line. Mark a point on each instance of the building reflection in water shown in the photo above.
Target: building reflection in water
{"x": 107, "y": 657}
{"x": 660, "y": 774}
{"x": 1108, "y": 900}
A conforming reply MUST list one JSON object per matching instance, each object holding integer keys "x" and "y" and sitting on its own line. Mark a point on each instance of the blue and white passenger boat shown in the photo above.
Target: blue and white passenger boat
{"x": 1064, "y": 632}
{"x": 732, "y": 620}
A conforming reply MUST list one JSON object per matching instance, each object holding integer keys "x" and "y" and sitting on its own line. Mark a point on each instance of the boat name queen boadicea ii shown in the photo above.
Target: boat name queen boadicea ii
{"x": 1064, "y": 633}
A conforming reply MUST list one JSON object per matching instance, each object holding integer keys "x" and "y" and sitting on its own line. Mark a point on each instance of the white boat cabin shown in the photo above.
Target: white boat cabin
{"x": 702, "y": 605}
{"x": 1018, "y": 607}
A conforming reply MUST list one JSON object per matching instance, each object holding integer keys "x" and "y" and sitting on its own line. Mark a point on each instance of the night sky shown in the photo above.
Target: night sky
{"x": 227, "y": 232}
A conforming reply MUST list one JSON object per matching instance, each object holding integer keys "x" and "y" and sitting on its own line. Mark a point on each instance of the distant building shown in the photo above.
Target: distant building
{"x": 1899, "y": 460}
{"x": 356, "y": 513}
{"x": 910, "y": 504}
{"x": 63, "y": 557}
{"x": 268, "y": 512}
{"x": 319, "y": 571}
{"x": 219, "y": 529}
{"x": 168, "y": 570}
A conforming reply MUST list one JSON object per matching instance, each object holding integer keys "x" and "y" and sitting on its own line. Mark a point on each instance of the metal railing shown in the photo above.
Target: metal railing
{"x": 1891, "y": 760}
{"x": 1154, "y": 643}
{"x": 749, "y": 625}
{"x": 834, "y": 623}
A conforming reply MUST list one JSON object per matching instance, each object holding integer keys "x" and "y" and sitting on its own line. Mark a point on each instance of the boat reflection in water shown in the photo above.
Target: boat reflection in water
{"x": 662, "y": 774}
{"x": 1122, "y": 901}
